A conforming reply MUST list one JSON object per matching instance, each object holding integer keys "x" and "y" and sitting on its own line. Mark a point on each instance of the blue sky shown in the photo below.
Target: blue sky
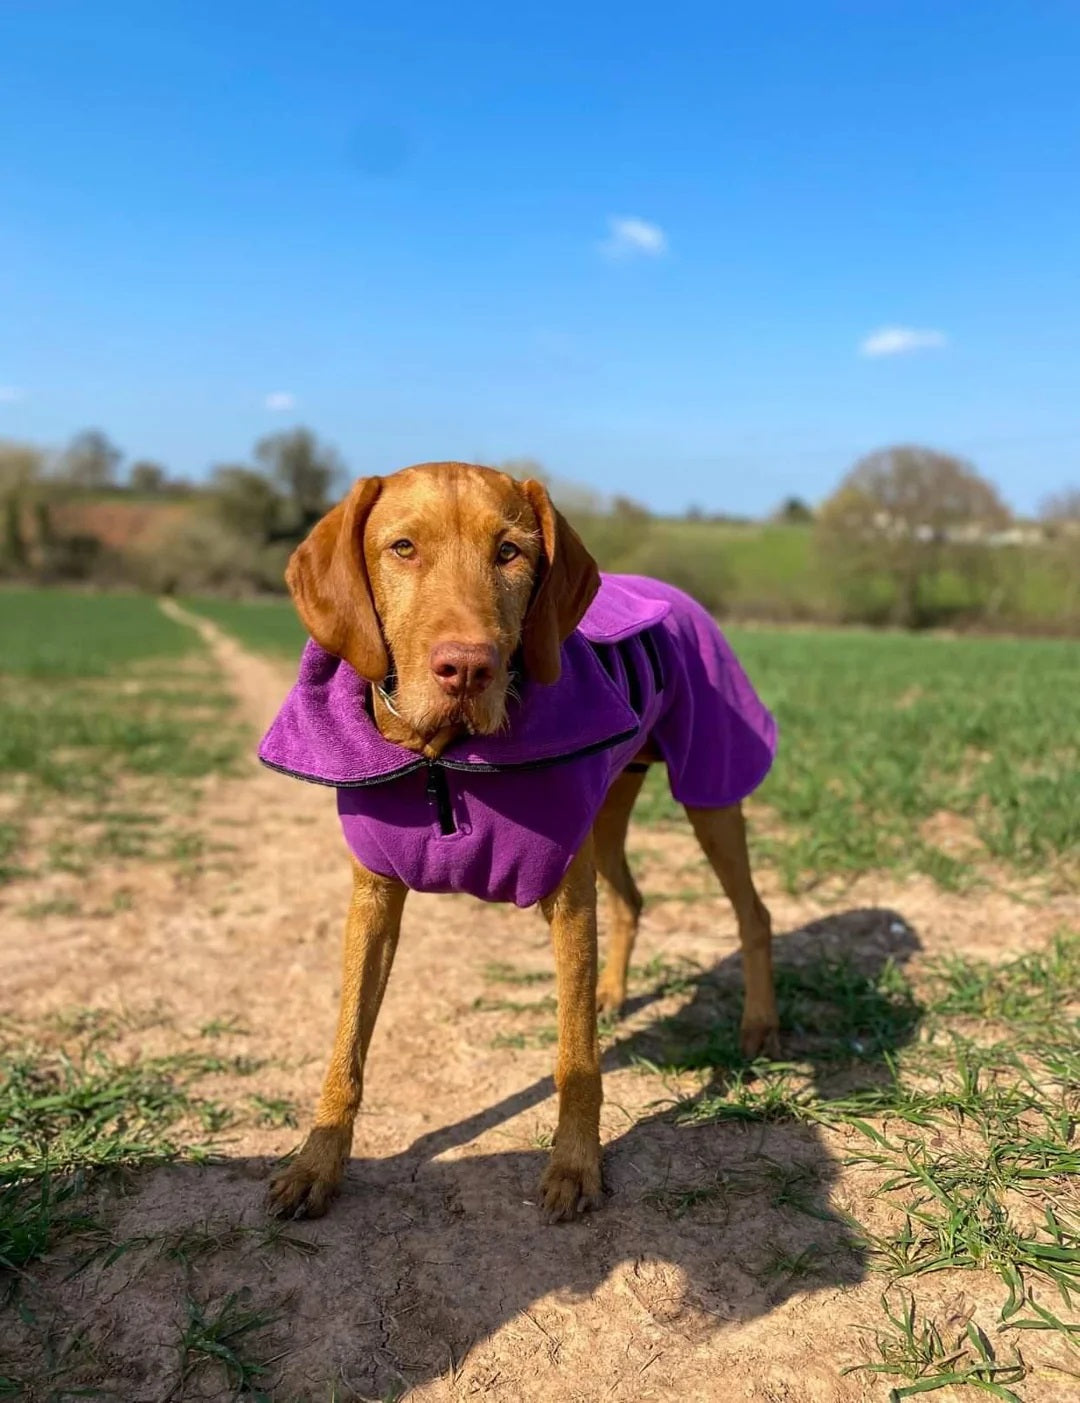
{"x": 656, "y": 249}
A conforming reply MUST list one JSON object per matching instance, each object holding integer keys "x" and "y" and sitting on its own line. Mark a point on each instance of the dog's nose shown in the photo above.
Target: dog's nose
{"x": 464, "y": 669}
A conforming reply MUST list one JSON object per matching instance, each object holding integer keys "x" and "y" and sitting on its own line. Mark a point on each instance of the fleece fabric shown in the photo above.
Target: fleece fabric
{"x": 502, "y": 816}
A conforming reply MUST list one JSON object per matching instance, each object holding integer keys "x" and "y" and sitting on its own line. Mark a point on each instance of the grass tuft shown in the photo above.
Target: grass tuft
{"x": 219, "y": 1335}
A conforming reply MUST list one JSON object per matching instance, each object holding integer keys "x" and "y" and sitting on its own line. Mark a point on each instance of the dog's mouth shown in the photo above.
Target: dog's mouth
{"x": 481, "y": 715}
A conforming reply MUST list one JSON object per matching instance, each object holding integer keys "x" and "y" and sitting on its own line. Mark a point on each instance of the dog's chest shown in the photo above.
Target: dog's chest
{"x": 506, "y": 836}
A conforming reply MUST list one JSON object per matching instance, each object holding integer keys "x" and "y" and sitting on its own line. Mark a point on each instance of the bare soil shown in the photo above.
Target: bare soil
{"x": 433, "y": 1273}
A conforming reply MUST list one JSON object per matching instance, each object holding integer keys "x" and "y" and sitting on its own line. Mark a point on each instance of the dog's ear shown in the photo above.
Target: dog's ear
{"x": 566, "y": 583}
{"x": 328, "y": 580}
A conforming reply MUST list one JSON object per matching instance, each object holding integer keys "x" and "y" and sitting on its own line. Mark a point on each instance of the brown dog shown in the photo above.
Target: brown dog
{"x": 433, "y": 584}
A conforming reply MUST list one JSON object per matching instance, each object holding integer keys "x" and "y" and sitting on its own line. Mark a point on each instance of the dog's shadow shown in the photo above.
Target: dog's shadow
{"x": 429, "y": 1252}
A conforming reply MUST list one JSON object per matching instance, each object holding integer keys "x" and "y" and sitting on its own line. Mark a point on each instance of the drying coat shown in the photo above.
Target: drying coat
{"x": 502, "y": 816}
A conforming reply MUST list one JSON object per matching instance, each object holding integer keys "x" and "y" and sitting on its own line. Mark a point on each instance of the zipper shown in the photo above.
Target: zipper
{"x": 438, "y": 791}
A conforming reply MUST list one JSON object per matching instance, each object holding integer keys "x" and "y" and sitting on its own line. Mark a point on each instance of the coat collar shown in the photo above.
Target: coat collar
{"x": 324, "y": 731}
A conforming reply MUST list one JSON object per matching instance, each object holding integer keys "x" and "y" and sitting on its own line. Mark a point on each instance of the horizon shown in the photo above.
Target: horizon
{"x": 573, "y": 496}
{"x": 713, "y": 264}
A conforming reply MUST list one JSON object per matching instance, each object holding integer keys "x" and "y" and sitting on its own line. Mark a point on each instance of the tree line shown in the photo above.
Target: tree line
{"x": 67, "y": 516}
{"x": 910, "y": 536}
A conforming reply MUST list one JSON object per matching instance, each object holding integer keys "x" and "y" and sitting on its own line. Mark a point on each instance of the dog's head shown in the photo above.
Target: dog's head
{"x": 431, "y": 581}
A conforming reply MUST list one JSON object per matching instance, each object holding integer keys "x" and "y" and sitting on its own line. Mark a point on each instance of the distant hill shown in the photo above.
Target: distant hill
{"x": 122, "y": 521}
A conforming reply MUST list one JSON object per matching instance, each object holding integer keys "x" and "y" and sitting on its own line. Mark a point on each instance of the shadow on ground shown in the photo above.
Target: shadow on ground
{"x": 430, "y": 1252}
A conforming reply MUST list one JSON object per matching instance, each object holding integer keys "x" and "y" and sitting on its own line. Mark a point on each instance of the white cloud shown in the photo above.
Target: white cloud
{"x": 11, "y": 394}
{"x": 901, "y": 341}
{"x": 631, "y": 237}
{"x": 279, "y": 401}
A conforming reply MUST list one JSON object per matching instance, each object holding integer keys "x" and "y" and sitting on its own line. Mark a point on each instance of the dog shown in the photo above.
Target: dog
{"x": 486, "y": 705}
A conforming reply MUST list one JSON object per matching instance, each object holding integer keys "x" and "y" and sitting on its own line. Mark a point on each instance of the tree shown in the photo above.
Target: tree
{"x": 306, "y": 471}
{"x": 13, "y": 552}
{"x": 793, "y": 511}
{"x": 1061, "y": 516}
{"x": 905, "y": 513}
{"x": 21, "y": 466}
{"x": 1062, "y": 506}
{"x": 90, "y": 460}
{"x": 146, "y": 476}
{"x": 245, "y": 502}
{"x": 20, "y": 471}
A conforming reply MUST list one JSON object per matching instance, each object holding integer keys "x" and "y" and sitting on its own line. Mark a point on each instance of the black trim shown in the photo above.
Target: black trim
{"x": 461, "y": 766}
{"x": 345, "y": 783}
{"x": 438, "y": 791}
{"x": 479, "y": 768}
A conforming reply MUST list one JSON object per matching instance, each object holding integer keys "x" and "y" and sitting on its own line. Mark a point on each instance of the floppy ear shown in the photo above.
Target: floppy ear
{"x": 566, "y": 584}
{"x": 329, "y": 584}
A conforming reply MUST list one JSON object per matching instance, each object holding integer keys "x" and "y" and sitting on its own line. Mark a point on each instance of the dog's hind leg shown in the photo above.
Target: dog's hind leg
{"x": 623, "y": 900}
{"x": 722, "y": 835}
{"x": 305, "y": 1185}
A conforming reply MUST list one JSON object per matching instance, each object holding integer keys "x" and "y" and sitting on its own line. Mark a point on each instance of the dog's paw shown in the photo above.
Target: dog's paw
{"x": 569, "y": 1189}
{"x": 610, "y": 999}
{"x": 306, "y": 1185}
{"x": 759, "y": 1037}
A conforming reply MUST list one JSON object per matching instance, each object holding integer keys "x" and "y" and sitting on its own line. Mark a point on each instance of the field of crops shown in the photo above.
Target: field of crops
{"x": 904, "y": 1181}
{"x": 108, "y": 712}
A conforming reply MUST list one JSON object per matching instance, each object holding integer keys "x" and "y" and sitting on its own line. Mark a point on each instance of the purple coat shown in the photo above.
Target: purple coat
{"x": 502, "y": 816}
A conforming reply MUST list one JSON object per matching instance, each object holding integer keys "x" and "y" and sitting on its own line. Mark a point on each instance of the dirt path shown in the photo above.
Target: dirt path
{"x": 433, "y": 1272}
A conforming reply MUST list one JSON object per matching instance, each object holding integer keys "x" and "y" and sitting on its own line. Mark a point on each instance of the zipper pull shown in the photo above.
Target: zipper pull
{"x": 438, "y": 791}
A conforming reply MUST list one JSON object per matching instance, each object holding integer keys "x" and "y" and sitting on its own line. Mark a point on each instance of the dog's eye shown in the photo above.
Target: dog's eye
{"x": 507, "y": 552}
{"x": 403, "y": 548}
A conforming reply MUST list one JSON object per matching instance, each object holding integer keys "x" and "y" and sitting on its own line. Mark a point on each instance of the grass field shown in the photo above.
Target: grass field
{"x": 104, "y": 705}
{"x": 938, "y": 755}
{"x": 944, "y": 1091}
{"x": 267, "y": 625}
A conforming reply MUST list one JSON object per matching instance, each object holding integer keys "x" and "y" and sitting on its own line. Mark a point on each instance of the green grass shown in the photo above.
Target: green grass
{"x": 69, "y": 1117}
{"x": 486, "y": 1004}
{"x": 881, "y": 732}
{"x": 267, "y": 625}
{"x": 220, "y": 1336}
{"x": 274, "y": 1111}
{"x": 499, "y": 973}
{"x": 63, "y": 634}
{"x": 108, "y": 712}
{"x": 917, "y": 1350}
{"x": 768, "y": 571}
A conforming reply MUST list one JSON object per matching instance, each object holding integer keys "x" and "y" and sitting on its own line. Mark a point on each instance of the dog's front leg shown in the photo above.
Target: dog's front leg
{"x": 571, "y": 1182}
{"x": 304, "y": 1187}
